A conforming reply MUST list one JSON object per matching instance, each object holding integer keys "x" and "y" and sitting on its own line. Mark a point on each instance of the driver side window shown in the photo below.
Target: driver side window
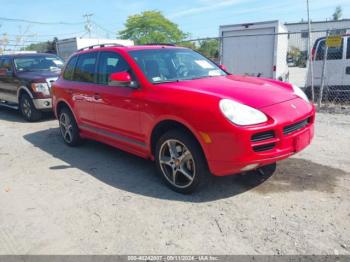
{"x": 109, "y": 63}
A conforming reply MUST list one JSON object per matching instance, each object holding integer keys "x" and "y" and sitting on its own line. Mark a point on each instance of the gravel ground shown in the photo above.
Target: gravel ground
{"x": 98, "y": 200}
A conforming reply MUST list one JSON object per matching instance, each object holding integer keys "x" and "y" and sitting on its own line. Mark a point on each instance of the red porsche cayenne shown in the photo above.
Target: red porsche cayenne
{"x": 176, "y": 107}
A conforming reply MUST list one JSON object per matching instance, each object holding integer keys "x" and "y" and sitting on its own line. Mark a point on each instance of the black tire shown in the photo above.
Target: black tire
{"x": 28, "y": 110}
{"x": 268, "y": 170}
{"x": 193, "y": 162}
{"x": 69, "y": 128}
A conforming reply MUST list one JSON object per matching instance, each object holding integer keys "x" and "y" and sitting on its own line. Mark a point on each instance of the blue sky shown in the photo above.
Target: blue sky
{"x": 200, "y": 18}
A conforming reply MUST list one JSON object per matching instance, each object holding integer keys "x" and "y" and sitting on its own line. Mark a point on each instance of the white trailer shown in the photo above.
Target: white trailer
{"x": 256, "y": 49}
{"x": 66, "y": 47}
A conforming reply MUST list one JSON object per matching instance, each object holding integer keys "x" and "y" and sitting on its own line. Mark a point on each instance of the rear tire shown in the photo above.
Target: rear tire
{"x": 28, "y": 110}
{"x": 69, "y": 128}
{"x": 180, "y": 162}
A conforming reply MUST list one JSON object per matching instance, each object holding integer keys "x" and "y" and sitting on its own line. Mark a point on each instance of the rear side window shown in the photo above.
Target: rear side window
{"x": 85, "y": 68}
{"x": 348, "y": 49}
{"x": 5, "y": 63}
{"x": 333, "y": 53}
{"x": 110, "y": 62}
{"x": 69, "y": 70}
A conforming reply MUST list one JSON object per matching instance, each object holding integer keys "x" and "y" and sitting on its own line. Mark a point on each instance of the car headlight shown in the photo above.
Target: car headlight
{"x": 300, "y": 93}
{"x": 41, "y": 88}
{"x": 240, "y": 114}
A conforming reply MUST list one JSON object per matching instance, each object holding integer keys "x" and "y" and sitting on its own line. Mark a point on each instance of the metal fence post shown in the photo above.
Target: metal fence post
{"x": 323, "y": 76}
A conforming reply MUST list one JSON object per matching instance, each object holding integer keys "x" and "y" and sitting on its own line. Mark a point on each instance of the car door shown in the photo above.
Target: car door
{"x": 117, "y": 107}
{"x": 8, "y": 82}
{"x": 334, "y": 65}
{"x": 82, "y": 88}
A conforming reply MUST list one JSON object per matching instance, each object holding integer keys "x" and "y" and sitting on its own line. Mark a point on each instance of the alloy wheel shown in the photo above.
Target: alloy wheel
{"x": 26, "y": 108}
{"x": 177, "y": 163}
{"x": 66, "y": 127}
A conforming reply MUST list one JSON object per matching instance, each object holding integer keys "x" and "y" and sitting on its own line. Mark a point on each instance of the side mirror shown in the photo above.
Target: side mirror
{"x": 223, "y": 67}
{"x": 121, "y": 79}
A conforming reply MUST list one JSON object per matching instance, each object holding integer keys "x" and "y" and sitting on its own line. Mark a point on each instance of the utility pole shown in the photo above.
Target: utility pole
{"x": 311, "y": 66}
{"x": 88, "y": 24}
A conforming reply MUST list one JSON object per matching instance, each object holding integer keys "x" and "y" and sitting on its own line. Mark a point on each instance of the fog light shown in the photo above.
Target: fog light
{"x": 47, "y": 103}
{"x": 249, "y": 167}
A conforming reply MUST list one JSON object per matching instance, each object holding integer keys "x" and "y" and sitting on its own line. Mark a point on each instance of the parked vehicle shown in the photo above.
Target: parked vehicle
{"x": 255, "y": 49}
{"x": 25, "y": 82}
{"x": 337, "y": 70}
{"x": 66, "y": 47}
{"x": 174, "y": 106}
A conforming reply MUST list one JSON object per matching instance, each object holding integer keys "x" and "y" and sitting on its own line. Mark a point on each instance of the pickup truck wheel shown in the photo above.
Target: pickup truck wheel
{"x": 28, "y": 110}
{"x": 69, "y": 128}
{"x": 180, "y": 162}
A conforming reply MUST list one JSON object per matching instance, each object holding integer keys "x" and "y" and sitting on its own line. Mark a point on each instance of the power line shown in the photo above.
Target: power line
{"x": 104, "y": 29}
{"x": 16, "y": 20}
{"x": 44, "y": 35}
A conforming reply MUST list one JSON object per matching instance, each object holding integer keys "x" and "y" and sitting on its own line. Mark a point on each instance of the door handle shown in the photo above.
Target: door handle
{"x": 347, "y": 70}
{"x": 97, "y": 96}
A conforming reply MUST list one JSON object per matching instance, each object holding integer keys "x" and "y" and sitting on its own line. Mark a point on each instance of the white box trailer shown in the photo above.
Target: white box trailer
{"x": 256, "y": 49}
{"x": 66, "y": 47}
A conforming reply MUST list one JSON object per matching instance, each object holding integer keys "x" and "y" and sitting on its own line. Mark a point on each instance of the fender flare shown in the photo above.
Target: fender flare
{"x": 54, "y": 107}
{"x": 180, "y": 121}
{"x": 25, "y": 89}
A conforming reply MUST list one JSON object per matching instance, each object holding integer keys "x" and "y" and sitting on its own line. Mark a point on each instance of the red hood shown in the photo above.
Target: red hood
{"x": 255, "y": 92}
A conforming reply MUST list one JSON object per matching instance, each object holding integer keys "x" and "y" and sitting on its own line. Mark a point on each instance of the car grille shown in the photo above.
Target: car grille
{"x": 296, "y": 126}
{"x": 263, "y": 136}
{"x": 262, "y": 148}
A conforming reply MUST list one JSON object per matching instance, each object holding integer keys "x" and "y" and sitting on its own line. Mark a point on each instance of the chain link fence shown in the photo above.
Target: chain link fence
{"x": 285, "y": 56}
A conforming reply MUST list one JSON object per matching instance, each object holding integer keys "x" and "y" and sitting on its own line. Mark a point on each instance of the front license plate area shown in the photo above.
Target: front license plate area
{"x": 302, "y": 141}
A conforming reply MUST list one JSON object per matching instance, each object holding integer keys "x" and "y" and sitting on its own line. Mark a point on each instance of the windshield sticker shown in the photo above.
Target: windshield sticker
{"x": 214, "y": 73}
{"x": 156, "y": 79}
{"x": 204, "y": 64}
{"x": 58, "y": 62}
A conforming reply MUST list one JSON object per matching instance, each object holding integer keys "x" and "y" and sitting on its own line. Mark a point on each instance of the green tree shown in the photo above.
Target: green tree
{"x": 338, "y": 13}
{"x": 209, "y": 48}
{"x": 42, "y": 47}
{"x": 151, "y": 27}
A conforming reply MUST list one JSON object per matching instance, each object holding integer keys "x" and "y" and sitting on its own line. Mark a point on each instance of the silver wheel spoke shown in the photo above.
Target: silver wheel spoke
{"x": 186, "y": 155}
{"x": 172, "y": 148}
{"x": 174, "y": 176}
{"x": 186, "y": 174}
{"x": 165, "y": 160}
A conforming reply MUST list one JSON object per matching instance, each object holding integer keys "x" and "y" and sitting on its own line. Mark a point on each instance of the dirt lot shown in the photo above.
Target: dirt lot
{"x": 99, "y": 200}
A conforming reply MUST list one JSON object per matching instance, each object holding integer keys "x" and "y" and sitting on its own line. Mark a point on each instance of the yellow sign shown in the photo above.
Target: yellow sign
{"x": 334, "y": 41}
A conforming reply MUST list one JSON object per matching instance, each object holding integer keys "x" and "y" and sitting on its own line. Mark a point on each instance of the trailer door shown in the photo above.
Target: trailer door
{"x": 249, "y": 51}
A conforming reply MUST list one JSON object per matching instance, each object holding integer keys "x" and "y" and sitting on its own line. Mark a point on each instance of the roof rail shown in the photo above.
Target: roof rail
{"x": 165, "y": 44}
{"x": 99, "y": 45}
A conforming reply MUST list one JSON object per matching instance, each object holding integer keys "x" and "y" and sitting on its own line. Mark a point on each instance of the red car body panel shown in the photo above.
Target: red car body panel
{"x": 126, "y": 117}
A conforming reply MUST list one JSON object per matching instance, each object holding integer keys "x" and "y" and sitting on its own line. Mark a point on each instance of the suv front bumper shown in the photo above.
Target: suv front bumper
{"x": 43, "y": 103}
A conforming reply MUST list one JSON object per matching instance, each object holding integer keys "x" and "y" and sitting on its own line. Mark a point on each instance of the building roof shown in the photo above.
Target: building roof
{"x": 319, "y": 22}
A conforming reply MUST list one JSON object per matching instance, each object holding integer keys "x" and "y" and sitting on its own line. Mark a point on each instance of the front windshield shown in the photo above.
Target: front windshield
{"x": 174, "y": 64}
{"x": 38, "y": 63}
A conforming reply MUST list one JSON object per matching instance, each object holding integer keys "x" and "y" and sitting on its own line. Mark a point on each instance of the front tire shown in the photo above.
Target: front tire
{"x": 268, "y": 170}
{"x": 180, "y": 162}
{"x": 68, "y": 127}
{"x": 28, "y": 110}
